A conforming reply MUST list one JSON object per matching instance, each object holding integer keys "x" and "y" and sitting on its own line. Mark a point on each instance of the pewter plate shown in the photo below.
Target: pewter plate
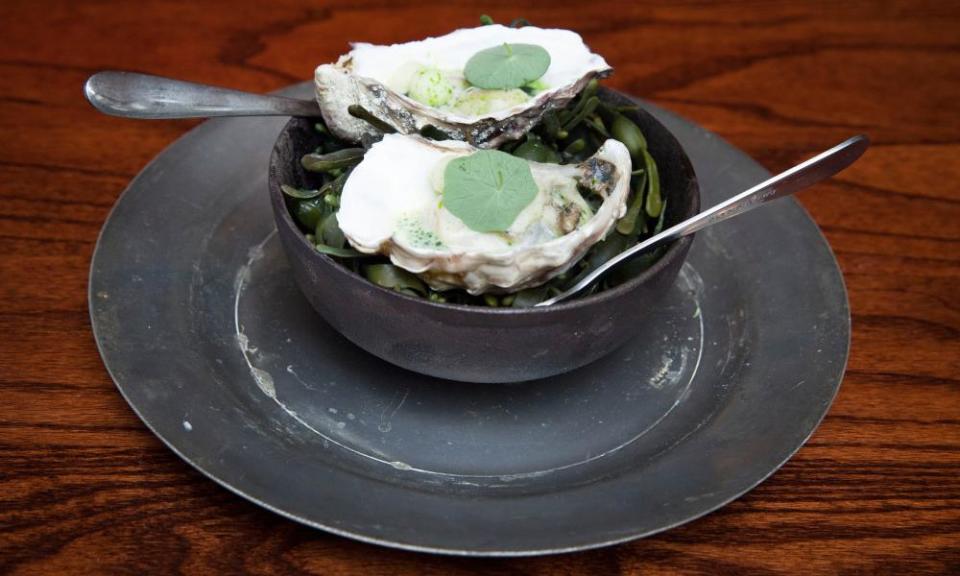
{"x": 205, "y": 334}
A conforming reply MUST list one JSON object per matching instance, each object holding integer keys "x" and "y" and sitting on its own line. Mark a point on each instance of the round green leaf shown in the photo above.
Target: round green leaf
{"x": 488, "y": 189}
{"x": 507, "y": 66}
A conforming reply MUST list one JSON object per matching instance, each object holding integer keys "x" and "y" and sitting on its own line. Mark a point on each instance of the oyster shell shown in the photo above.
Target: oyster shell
{"x": 416, "y": 84}
{"x": 391, "y": 204}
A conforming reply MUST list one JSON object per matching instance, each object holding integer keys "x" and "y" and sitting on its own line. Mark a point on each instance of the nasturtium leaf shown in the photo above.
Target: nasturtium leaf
{"x": 488, "y": 189}
{"x": 507, "y": 66}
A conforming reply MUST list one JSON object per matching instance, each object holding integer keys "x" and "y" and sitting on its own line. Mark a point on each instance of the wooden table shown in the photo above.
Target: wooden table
{"x": 86, "y": 489}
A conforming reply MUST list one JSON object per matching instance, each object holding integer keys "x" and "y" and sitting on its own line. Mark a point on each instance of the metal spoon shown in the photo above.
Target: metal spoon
{"x": 805, "y": 174}
{"x": 134, "y": 95}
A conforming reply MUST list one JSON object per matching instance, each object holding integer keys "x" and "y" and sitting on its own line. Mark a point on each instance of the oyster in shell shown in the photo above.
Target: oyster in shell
{"x": 417, "y": 84}
{"x": 392, "y": 204}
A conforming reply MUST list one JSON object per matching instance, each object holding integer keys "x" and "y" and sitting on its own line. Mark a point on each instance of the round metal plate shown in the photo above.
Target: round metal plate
{"x": 205, "y": 334}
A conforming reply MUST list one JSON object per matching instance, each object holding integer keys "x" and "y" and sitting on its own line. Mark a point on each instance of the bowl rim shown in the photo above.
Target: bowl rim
{"x": 676, "y": 249}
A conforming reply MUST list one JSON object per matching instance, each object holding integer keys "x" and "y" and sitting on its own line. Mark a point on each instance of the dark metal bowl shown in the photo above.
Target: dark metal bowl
{"x": 475, "y": 343}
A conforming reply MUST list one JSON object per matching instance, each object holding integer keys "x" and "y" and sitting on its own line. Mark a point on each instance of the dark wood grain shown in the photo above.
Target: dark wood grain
{"x": 86, "y": 489}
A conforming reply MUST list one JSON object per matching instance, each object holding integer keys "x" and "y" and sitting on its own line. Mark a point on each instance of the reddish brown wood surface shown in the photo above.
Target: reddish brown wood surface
{"x": 86, "y": 489}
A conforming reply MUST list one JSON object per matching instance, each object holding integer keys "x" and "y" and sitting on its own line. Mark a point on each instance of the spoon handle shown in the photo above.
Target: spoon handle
{"x": 134, "y": 95}
{"x": 803, "y": 175}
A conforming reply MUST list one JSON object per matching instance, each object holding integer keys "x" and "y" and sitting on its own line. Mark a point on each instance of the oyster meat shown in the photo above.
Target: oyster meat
{"x": 392, "y": 204}
{"x": 417, "y": 84}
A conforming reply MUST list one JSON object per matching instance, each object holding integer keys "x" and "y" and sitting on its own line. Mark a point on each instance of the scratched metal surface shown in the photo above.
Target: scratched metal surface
{"x": 205, "y": 334}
